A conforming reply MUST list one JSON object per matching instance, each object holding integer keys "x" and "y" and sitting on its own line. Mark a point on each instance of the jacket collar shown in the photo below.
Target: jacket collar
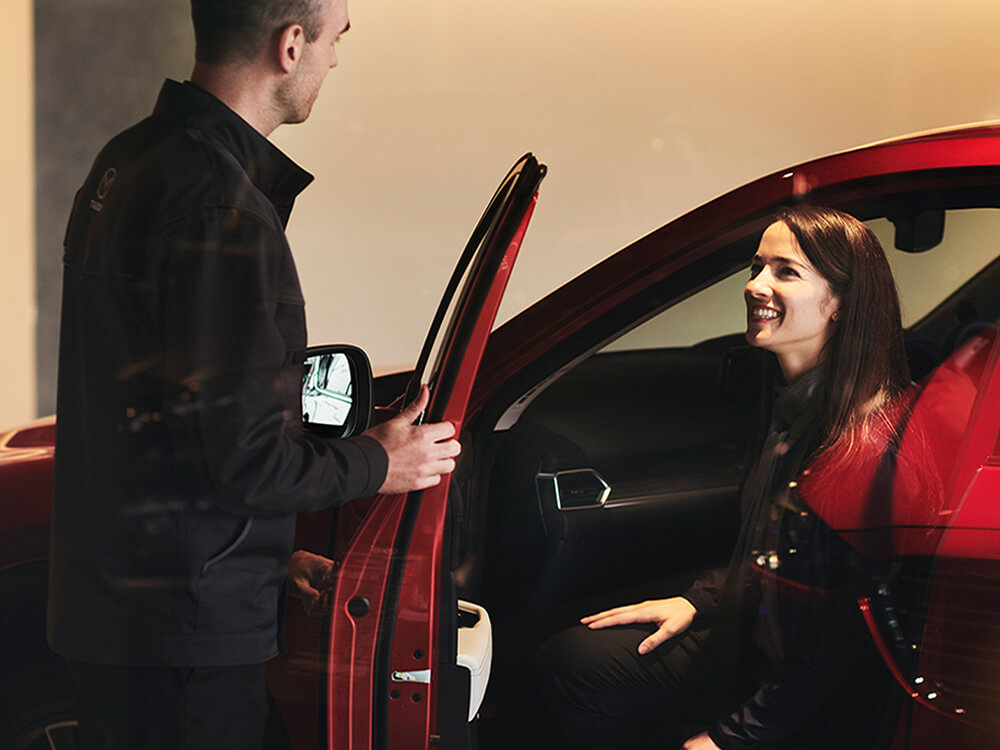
{"x": 277, "y": 176}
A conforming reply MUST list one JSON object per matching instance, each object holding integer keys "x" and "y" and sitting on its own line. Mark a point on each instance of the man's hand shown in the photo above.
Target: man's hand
{"x": 672, "y": 616}
{"x": 418, "y": 454}
{"x": 700, "y": 742}
{"x": 311, "y": 579}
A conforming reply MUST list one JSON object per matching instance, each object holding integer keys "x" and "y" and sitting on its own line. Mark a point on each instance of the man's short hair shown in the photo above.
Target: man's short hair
{"x": 225, "y": 30}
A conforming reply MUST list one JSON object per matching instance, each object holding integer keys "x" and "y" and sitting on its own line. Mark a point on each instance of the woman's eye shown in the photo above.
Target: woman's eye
{"x": 755, "y": 268}
{"x": 787, "y": 271}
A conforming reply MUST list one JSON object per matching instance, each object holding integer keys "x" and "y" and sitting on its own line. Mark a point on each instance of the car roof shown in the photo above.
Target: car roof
{"x": 845, "y": 179}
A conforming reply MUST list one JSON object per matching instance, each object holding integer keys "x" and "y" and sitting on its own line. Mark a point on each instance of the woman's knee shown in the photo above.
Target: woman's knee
{"x": 580, "y": 660}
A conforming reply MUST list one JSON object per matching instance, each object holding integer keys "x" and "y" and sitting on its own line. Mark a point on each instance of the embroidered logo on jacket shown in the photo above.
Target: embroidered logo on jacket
{"x": 103, "y": 188}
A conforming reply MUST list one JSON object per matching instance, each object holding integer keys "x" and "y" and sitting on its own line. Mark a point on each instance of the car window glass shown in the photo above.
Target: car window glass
{"x": 924, "y": 281}
{"x": 714, "y": 311}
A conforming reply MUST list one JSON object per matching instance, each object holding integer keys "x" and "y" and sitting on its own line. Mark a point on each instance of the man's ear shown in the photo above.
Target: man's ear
{"x": 291, "y": 43}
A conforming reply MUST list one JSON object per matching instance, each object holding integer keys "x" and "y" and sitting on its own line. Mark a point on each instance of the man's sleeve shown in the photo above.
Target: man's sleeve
{"x": 233, "y": 322}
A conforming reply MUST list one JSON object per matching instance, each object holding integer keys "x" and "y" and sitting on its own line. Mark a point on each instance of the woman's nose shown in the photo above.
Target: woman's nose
{"x": 758, "y": 287}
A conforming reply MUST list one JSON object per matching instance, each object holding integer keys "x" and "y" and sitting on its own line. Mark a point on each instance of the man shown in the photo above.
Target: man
{"x": 181, "y": 459}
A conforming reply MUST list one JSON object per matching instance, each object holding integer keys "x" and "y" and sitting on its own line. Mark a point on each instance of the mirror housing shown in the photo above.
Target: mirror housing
{"x": 918, "y": 231}
{"x": 336, "y": 390}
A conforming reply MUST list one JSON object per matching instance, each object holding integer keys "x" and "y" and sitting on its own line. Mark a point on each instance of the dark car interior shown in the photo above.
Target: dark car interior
{"x": 619, "y": 482}
{"x": 669, "y": 439}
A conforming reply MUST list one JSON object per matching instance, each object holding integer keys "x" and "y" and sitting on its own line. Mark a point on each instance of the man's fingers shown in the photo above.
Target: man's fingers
{"x": 307, "y": 590}
{"x": 418, "y": 453}
{"x": 447, "y": 450}
{"x": 441, "y": 433}
{"x": 433, "y": 473}
{"x": 427, "y": 482}
{"x": 315, "y": 606}
{"x": 310, "y": 597}
{"x": 431, "y": 449}
{"x": 438, "y": 431}
{"x": 411, "y": 412}
{"x": 444, "y": 466}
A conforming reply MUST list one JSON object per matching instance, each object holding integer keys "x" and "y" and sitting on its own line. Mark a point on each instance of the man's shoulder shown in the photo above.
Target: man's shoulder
{"x": 173, "y": 170}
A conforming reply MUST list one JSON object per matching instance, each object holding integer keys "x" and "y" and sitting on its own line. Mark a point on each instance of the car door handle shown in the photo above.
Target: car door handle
{"x": 575, "y": 489}
{"x": 419, "y": 675}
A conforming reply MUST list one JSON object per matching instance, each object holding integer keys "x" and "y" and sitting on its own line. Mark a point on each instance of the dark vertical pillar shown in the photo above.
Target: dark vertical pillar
{"x": 98, "y": 67}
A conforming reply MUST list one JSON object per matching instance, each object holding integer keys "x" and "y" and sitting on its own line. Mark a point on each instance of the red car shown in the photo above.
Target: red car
{"x": 604, "y": 430}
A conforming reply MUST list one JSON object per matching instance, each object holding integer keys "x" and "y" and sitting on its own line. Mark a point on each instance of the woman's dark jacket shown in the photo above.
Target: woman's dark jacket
{"x": 788, "y": 600}
{"x": 180, "y": 455}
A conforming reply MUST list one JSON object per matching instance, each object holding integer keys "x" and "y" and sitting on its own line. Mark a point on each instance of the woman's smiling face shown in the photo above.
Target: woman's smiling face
{"x": 790, "y": 306}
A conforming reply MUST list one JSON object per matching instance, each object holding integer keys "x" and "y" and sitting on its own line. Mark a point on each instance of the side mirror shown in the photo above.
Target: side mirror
{"x": 336, "y": 390}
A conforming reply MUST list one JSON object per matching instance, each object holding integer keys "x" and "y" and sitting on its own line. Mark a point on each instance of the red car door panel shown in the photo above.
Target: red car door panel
{"x": 382, "y": 687}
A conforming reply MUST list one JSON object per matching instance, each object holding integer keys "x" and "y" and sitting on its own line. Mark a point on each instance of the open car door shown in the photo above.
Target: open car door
{"x": 394, "y": 679}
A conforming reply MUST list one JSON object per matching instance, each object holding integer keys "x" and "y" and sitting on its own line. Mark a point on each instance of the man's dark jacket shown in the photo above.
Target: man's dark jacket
{"x": 180, "y": 455}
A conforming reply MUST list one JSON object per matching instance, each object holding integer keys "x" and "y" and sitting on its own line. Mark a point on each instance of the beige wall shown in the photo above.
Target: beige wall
{"x": 642, "y": 109}
{"x": 17, "y": 253}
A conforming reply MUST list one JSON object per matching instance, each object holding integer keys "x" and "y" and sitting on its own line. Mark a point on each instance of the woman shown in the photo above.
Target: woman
{"x": 774, "y": 644}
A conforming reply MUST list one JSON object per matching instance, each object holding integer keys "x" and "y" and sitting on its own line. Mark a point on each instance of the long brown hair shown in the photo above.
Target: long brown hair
{"x": 865, "y": 358}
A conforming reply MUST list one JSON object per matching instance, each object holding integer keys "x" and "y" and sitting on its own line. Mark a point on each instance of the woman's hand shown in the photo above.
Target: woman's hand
{"x": 310, "y": 579}
{"x": 672, "y": 616}
{"x": 700, "y": 742}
